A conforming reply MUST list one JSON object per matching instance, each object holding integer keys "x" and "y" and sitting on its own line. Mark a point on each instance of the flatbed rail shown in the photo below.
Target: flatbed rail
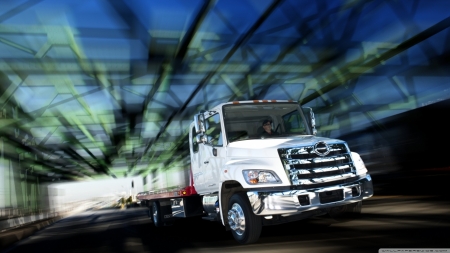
{"x": 175, "y": 192}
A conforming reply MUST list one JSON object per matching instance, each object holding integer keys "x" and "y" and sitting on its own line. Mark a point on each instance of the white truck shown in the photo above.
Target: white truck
{"x": 246, "y": 179}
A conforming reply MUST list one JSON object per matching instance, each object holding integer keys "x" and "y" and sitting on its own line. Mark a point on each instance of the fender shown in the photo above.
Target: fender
{"x": 226, "y": 190}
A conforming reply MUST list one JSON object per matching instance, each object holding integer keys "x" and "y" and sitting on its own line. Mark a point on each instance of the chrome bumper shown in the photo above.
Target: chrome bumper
{"x": 296, "y": 201}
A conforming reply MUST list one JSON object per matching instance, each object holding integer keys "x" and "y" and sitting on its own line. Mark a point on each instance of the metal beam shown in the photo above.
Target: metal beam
{"x": 18, "y": 9}
{"x": 137, "y": 29}
{"x": 241, "y": 41}
{"x": 184, "y": 45}
{"x": 440, "y": 26}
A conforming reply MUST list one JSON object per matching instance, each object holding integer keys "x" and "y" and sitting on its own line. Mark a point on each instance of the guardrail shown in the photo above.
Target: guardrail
{"x": 6, "y": 213}
{"x": 15, "y": 217}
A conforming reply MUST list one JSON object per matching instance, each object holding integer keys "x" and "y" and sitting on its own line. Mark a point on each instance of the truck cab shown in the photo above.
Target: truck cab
{"x": 249, "y": 179}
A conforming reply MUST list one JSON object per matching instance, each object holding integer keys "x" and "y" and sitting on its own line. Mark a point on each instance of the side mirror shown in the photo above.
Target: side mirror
{"x": 199, "y": 121}
{"x": 311, "y": 118}
{"x": 313, "y": 121}
{"x": 201, "y": 138}
{"x": 200, "y": 128}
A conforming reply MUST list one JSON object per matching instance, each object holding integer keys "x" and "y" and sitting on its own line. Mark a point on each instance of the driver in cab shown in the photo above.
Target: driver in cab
{"x": 268, "y": 131}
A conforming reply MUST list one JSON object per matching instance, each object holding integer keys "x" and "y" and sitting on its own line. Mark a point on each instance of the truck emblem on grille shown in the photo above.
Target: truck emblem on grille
{"x": 321, "y": 148}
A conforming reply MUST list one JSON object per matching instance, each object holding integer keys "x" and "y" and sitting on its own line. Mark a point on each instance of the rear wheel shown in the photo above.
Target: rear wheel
{"x": 245, "y": 225}
{"x": 156, "y": 214}
{"x": 346, "y": 212}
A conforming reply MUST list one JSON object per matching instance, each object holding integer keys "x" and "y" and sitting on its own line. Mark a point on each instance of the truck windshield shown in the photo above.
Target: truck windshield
{"x": 245, "y": 121}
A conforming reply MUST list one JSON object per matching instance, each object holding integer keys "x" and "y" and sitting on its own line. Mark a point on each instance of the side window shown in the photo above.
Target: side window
{"x": 194, "y": 141}
{"x": 214, "y": 130}
{"x": 293, "y": 123}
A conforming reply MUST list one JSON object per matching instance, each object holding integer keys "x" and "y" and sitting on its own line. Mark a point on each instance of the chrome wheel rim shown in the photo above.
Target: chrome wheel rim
{"x": 236, "y": 219}
{"x": 155, "y": 213}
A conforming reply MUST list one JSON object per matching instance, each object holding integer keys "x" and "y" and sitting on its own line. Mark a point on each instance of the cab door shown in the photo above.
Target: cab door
{"x": 213, "y": 153}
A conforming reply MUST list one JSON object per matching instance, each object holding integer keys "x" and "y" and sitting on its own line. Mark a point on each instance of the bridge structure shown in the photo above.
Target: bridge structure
{"x": 94, "y": 90}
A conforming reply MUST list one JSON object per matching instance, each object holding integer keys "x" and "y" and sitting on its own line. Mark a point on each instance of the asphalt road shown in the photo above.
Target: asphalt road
{"x": 386, "y": 222}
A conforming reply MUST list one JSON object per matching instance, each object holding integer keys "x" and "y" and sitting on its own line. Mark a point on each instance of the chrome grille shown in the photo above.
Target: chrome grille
{"x": 305, "y": 167}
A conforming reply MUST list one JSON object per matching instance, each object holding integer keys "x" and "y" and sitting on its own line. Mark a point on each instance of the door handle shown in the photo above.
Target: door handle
{"x": 211, "y": 185}
{"x": 206, "y": 162}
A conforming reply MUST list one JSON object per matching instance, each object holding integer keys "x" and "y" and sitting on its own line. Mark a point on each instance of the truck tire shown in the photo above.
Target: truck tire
{"x": 347, "y": 212}
{"x": 245, "y": 225}
{"x": 156, "y": 214}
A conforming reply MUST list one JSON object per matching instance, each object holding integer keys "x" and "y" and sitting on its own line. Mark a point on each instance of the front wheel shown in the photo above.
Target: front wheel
{"x": 156, "y": 214}
{"x": 245, "y": 225}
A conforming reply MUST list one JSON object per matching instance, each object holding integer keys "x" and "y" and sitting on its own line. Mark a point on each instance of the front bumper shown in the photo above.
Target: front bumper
{"x": 297, "y": 201}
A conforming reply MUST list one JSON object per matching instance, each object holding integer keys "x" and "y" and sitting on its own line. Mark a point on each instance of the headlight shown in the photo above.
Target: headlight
{"x": 261, "y": 177}
{"x": 359, "y": 164}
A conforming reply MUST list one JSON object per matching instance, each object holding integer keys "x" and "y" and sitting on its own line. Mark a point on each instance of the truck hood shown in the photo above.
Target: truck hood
{"x": 269, "y": 147}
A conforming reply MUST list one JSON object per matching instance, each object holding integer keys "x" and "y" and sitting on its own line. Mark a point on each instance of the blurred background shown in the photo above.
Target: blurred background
{"x": 96, "y": 96}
